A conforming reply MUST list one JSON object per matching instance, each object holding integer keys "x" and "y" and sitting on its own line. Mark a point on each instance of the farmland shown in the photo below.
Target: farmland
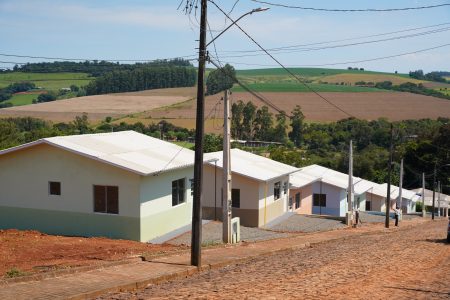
{"x": 47, "y": 81}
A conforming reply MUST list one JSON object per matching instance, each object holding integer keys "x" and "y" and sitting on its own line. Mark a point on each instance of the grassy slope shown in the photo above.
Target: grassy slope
{"x": 296, "y": 87}
{"x": 47, "y": 81}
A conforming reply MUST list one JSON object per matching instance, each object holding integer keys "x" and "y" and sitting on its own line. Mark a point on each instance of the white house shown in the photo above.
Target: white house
{"x": 378, "y": 194}
{"x": 119, "y": 185}
{"x": 260, "y": 190}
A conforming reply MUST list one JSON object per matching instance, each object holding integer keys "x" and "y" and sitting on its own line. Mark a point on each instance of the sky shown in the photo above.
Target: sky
{"x": 155, "y": 29}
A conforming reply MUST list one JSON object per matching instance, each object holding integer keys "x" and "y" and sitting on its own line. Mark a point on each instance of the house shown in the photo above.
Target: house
{"x": 301, "y": 192}
{"x": 441, "y": 200}
{"x": 259, "y": 187}
{"x": 377, "y": 196}
{"x": 326, "y": 189}
{"x": 119, "y": 185}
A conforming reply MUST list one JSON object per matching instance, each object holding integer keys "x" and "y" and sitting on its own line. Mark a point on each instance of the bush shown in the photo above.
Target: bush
{"x": 46, "y": 97}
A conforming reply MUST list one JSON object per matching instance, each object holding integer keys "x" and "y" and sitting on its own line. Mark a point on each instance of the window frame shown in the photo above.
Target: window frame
{"x": 107, "y": 190}
{"x": 177, "y": 189}
{"x": 50, "y": 188}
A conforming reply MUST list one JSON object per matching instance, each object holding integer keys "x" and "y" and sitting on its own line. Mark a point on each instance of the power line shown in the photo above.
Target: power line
{"x": 351, "y": 10}
{"x": 355, "y": 61}
{"x": 297, "y": 50}
{"x": 96, "y": 59}
{"x": 279, "y": 63}
{"x": 340, "y": 40}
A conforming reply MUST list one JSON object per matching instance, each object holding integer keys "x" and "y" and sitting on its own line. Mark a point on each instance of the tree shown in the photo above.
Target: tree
{"x": 279, "y": 132}
{"x": 249, "y": 115}
{"x": 47, "y": 97}
{"x": 296, "y": 135}
{"x": 236, "y": 119}
{"x": 220, "y": 80}
{"x": 81, "y": 124}
{"x": 263, "y": 124}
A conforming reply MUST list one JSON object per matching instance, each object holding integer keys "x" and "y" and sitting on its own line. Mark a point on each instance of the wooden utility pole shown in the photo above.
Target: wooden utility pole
{"x": 226, "y": 186}
{"x": 199, "y": 135}
{"x": 388, "y": 196}
{"x": 423, "y": 195}
{"x": 350, "y": 195}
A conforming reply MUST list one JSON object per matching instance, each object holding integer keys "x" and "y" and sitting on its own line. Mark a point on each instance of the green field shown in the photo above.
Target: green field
{"x": 48, "y": 81}
{"x": 22, "y": 99}
{"x": 297, "y": 87}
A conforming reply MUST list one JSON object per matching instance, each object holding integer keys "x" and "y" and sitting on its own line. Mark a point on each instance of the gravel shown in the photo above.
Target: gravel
{"x": 304, "y": 223}
{"x": 212, "y": 235}
{"x": 379, "y": 217}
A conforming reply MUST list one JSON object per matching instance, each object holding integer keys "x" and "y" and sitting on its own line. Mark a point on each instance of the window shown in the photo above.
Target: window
{"x": 285, "y": 187}
{"x": 320, "y": 200}
{"x": 236, "y": 198}
{"x": 106, "y": 199}
{"x": 54, "y": 188}
{"x": 178, "y": 189}
{"x": 368, "y": 206}
{"x": 276, "y": 190}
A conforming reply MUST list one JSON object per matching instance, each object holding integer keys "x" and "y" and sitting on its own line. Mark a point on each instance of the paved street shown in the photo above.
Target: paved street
{"x": 410, "y": 263}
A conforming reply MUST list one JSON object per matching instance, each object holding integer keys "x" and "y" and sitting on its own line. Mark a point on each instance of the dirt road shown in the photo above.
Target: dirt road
{"x": 410, "y": 263}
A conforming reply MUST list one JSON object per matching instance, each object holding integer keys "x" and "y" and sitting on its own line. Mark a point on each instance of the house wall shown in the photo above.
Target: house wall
{"x": 336, "y": 200}
{"x": 257, "y": 206}
{"x": 25, "y": 202}
{"x": 378, "y": 202}
{"x": 269, "y": 208}
{"x": 158, "y": 216}
{"x": 305, "y": 199}
{"x": 361, "y": 201}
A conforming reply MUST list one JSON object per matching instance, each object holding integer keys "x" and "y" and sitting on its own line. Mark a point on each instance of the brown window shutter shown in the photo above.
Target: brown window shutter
{"x": 99, "y": 198}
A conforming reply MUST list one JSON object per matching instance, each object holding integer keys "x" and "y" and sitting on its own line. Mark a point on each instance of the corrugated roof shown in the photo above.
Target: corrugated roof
{"x": 252, "y": 165}
{"x": 128, "y": 150}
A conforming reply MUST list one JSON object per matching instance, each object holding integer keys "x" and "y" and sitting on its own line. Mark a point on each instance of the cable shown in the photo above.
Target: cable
{"x": 279, "y": 63}
{"x": 355, "y": 61}
{"x": 90, "y": 59}
{"x": 341, "y": 40}
{"x": 351, "y": 10}
{"x": 281, "y": 50}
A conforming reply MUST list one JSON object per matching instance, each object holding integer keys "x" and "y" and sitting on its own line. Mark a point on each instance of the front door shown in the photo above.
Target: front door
{"x": 297, "y": 200}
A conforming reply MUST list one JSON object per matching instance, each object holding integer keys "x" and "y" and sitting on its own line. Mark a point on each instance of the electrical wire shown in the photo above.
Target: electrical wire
{"x": 279, "y": 63}
{"x": 340, "y": 40}
{"x": 351, "y": 10}
{"x": 298, "y": 50}
{"x": 354, "y": 61}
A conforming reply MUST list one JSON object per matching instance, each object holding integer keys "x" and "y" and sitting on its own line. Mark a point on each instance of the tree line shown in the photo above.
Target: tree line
{"x": 438, "y": 76}
{"x": 142, "y": 79}
{"x": 95, "y": 68}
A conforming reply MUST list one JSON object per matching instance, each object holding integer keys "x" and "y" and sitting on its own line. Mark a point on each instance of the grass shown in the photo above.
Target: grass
{"x": 296, "y": 87}
{"x": 184, "y": 144}
{"x": 49, "y": 81}
{"x": 12, "y": 273}
{"x": 22, "y": 99}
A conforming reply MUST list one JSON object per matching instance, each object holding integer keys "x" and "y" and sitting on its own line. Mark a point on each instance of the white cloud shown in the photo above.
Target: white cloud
{"x": 167, "y": 18}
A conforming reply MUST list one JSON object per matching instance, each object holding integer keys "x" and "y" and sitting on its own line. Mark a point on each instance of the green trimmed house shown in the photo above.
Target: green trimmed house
{"x": 119, "y": 185}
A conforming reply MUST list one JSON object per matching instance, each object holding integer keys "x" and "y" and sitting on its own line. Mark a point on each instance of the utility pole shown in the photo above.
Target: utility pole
{"x": 226, "y": 189}
{"x": 199, "y": 134}
{"x": 434, "y": 191}
{"x": 423, "y": 195}
{"x": 350, "y": 198}
{"x": 388, "y": 196}
{"x": 400, "y": 187}
{"x": 439, "y": 199}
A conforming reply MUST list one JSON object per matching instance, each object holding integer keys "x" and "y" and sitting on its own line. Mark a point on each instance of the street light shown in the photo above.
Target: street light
{"x": 260, "y": 9}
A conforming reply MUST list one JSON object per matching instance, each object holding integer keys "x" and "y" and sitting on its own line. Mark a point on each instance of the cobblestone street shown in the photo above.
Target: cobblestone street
{"x": 409, "y": 263}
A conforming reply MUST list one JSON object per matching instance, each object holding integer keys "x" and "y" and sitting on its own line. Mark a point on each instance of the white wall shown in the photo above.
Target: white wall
{"x": 24, "y": 177}
{"x": 336, "y": 199}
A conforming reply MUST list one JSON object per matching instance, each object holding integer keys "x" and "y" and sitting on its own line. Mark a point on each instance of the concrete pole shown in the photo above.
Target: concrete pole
{"x": 439, "y": 199}
{"x": 350, "y": 194}
{"x": 400, "y": 188}
{"x": 423, "y": 195}
{"x": 226, "y": 190}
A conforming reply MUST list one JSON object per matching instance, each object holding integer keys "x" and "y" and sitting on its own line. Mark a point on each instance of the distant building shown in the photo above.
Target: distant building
{"x": 119, "y": 185}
